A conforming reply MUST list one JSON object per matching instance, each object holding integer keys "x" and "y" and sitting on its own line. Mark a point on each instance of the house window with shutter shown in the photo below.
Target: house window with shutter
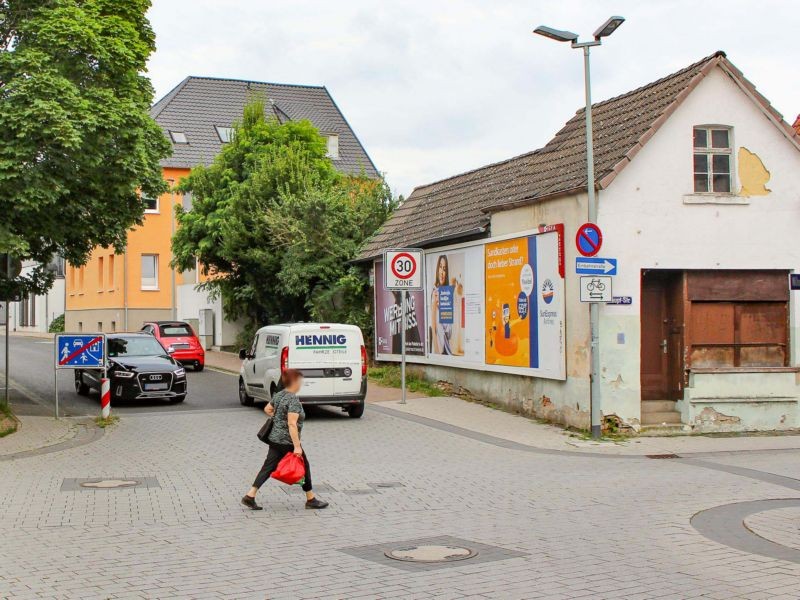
{"x": 713, "y": 164}
{"x": 738, "y": 319}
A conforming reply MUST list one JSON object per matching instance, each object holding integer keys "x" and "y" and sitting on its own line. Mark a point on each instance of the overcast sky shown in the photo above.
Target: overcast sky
{"x": 434, "y": 88}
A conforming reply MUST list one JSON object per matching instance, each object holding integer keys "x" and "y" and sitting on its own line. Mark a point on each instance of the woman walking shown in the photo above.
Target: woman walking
{"x": 288, "y": 416}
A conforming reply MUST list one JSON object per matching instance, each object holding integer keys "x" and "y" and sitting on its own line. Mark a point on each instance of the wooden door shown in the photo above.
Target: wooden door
{"x": 662, "y": 334}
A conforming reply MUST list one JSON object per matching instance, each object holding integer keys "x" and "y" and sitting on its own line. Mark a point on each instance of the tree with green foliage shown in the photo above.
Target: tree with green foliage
{"x": 77, "y": 144}
{"x": 275, "y": 225}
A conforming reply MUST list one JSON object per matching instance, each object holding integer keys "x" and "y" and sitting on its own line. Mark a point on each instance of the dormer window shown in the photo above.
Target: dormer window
{"x": 333, "y": 146}
{"x": 225, "y": 133}
{"x": 178, "y": 137}
{"x": 712, "y": 159}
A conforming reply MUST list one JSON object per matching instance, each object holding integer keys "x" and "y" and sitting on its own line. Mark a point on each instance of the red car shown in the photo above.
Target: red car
{"x": 180, "y": 341}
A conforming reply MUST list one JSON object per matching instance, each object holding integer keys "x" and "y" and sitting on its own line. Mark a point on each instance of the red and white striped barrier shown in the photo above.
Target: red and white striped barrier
{"x": 105, "y": 397}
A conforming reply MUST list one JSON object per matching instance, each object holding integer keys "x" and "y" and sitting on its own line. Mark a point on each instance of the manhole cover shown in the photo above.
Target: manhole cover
{"x": 431, "y": 553}
{"x": 109, "y": 483}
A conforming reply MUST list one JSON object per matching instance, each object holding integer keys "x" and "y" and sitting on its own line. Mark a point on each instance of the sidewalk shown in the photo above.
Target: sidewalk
{"x": 34, "y": 433}
{"x": 482, "y": 419}
{"x": 223, "y": 361}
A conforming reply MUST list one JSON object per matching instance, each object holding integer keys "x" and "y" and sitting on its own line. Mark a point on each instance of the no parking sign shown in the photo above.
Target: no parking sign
{"x": 589, "y": 239}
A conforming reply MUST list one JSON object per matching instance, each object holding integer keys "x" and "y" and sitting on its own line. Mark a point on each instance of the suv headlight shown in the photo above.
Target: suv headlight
{"x": 180, "y": 373}
{"x": 124, "y": 374}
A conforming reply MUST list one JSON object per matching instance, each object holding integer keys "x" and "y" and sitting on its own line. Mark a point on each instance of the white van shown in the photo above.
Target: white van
{"x": 332, "y": 358}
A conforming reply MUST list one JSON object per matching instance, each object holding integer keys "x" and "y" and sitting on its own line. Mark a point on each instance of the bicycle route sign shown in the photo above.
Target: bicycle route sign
{"x": 596, "y": 288}
{"x": 402, "y": 269}
{"x": 589, "y": 239}
{"x": 80, "y": 351}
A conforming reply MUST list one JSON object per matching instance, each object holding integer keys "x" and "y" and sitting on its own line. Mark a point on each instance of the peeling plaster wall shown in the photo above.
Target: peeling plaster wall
{"x": 753, "y": 175}
{"x": 651, "y": 219}
{"x": 741, "y": 402}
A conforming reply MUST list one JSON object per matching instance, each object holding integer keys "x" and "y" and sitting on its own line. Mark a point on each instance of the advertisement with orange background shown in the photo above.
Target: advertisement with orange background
{"x": 508, "y": 337}
{"x": 525, "y": 304}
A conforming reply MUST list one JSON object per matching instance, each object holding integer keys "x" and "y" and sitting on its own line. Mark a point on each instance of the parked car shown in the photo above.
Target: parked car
{"x": 332, "y": 358}
{"x": 139, "y": 369}
{"x": 179, "y": 336}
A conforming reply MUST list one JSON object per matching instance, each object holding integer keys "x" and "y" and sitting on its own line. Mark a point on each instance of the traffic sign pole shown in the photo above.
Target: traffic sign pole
{"x": 8, "y": 329}
{"x": 403, "y": 347}
{"x": 402, "y": 268}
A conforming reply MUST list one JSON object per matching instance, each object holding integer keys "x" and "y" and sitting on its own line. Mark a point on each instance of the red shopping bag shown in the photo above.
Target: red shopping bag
{"x": 290, "y": 469}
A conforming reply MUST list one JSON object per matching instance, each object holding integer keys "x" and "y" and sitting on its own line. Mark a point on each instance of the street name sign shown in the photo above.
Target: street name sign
{"x": 80, "y": 351}
{"x": 623, "y": 300}
{"x": 595, "y": 265}
{"x": 589, "y": 239}
{"x": 794, "y": 281}
{"x": 596, "y": 289}
{"x": 403, "y": 269}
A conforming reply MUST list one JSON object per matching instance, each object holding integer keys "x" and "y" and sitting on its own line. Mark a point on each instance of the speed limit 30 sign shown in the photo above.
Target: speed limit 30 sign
{"x": 403, "y": 269}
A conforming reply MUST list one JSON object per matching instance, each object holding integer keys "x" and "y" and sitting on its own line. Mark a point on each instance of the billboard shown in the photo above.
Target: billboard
{"x": 525, "y": 304}
{"x": 493, "y": 305}
{"x": 454, "y": 291}
{"x": 388, "y": 318}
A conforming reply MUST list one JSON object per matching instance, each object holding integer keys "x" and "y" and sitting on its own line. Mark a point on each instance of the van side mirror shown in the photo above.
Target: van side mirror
{"x": 242, "y": 354}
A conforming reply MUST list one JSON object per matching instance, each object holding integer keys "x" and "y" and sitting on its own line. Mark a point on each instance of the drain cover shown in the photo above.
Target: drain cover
{"x": 109, "y": 483}
{"x": 431, "y": 553}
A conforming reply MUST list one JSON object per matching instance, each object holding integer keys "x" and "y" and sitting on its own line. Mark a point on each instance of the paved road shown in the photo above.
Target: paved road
{"x": 545, "y": 524}
{"x": 32, "y": 378}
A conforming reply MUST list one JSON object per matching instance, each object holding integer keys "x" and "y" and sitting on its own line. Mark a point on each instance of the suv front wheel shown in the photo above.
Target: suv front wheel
{"x": 80, "y": 388}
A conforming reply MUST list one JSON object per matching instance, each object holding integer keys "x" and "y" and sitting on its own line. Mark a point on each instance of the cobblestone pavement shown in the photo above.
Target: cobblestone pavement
{"x": 550, "y": 525}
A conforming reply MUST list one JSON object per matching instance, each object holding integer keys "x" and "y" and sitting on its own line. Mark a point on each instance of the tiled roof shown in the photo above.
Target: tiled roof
{"x": 198, "y": 104}
{"x": 458, "y": 206}
{"x": 796, "y": 125}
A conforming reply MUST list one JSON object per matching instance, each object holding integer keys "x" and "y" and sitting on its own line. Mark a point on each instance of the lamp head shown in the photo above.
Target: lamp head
{"x": 556, "y": 34}
{"x": 609, "y": 27}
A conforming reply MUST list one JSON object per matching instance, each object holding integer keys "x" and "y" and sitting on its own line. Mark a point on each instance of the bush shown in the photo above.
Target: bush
{"x": 57, "y": 326}
{"x": 389, "y": 376}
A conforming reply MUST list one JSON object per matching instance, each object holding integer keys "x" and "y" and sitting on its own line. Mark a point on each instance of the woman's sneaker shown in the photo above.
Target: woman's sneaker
{"x": 316, "y": 504}
{"x": 250, "y": 503}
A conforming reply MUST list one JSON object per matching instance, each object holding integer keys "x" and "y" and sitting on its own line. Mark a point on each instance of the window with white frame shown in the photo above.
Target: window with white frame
{"x": 225, "y": 133}
{"x": 149, "y": 271}
{"x": 333, "y": 145}
{"x": 713, "y": 165}
{"x": 150, "y": 204}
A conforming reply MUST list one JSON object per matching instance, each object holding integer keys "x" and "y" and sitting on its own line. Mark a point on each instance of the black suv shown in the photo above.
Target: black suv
{"x": 139, "y": 369}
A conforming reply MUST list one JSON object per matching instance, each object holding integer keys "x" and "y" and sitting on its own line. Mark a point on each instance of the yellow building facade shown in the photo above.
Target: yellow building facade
{"x": 119, "y": 292}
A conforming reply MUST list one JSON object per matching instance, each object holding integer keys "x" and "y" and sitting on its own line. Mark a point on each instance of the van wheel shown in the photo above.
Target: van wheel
{"x": 355, "y": 411}
{"x": 244, "y": 398}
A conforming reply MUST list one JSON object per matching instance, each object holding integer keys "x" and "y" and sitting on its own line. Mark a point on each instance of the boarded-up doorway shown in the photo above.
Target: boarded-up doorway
{"x": 662, "y": 325}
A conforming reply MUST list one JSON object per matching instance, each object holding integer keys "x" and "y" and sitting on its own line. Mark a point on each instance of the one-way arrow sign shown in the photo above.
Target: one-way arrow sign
{"x": 595, "y": 265}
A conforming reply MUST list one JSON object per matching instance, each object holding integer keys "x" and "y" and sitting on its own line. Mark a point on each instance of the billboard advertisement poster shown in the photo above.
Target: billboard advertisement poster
{"x": 388, "y": 319}
{"x": 525, "y": 304}
{"x": 454, "y": 288}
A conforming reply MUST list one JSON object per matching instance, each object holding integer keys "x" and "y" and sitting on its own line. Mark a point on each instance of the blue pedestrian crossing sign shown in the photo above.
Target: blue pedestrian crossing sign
{"x": 80, "y": 351}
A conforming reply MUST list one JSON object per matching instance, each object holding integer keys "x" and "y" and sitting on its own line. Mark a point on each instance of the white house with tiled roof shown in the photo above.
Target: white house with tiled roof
{"x": 697, "y": 178}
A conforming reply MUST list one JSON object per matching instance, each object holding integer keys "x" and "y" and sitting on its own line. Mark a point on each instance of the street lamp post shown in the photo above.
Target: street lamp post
{"x": 558, "y": 35}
